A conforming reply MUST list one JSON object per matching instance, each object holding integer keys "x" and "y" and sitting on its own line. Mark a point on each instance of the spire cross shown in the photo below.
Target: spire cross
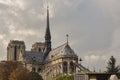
{"x": 67, "y": 37}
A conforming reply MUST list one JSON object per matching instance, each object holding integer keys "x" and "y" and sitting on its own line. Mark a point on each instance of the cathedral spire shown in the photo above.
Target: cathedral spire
{"x": 47, "y": 34}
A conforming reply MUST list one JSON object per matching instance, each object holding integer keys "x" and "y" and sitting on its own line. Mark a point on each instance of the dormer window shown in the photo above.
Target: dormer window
{"x": 34, "y": 59}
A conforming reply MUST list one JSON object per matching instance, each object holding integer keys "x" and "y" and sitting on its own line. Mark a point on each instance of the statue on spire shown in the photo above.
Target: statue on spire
{"x": 67, "y": 38}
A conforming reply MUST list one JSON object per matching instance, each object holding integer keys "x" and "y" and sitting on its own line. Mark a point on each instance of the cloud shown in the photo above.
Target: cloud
{"x": 13, "y": 3}
{"x": 2, "y": 36}
{"x": 110, "y": 9}
{"x": 99, "y": 59}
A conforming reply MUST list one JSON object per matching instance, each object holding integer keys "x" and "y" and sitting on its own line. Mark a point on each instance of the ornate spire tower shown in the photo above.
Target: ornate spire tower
{"x": 47, "y": 35}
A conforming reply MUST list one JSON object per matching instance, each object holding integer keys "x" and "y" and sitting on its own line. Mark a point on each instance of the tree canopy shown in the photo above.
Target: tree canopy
{"x": 65, "y": 77}
{"x": 7, "y": 67}
{"x": 112, "y": 68}
{"x": 24, "y": 74}
{"x": 13, "y": 70}
{"x": 20, "y": 74}
{"x": 36, "y": 76}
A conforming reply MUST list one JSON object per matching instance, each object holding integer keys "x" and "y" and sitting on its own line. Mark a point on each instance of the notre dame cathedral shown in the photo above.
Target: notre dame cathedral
{"x": 42, "y": 58}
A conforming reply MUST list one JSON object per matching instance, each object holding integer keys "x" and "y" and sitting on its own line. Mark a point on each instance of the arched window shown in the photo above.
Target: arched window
{"x": 39, "y": 49}
{"x": 65, "y": 65}
{"x": 15, "y": 53}
{"x": 33, "y": 69}
{"x": 39, "y": 69}
{"x": 72, "y": 66}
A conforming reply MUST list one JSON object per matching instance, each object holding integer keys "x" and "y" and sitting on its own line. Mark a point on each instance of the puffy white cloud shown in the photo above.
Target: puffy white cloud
{"x": 2, "y": 36}
{"x": 13, "y": 3}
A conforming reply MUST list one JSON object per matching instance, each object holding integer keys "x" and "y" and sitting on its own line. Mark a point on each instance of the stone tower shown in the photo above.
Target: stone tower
{"x": 38, "y": 47}
{"x": 14, "y": 48}
{"x": 47, "y": 37}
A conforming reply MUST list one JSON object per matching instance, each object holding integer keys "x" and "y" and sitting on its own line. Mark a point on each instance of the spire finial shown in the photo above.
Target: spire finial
{"x": 47, "y": 6}
{"x": 67, "y": 36}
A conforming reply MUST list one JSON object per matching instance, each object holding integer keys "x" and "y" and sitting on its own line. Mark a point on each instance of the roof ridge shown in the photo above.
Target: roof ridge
{"x": 59, "y": 46}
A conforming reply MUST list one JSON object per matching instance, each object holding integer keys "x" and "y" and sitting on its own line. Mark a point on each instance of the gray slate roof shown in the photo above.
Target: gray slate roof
{"x": 35, "y": 57}
{"x": 61, "y": 51}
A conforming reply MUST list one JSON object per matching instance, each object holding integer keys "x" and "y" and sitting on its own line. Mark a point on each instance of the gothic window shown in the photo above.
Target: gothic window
{"x": 33, "y": 69}
{"x": 21, "y": 51}
{"x": 52, "y": 56}
{"x": 39, "y": 69}
{"x": 65, "y": 65}
{"x": 15, "y": 53}
{"x": 39, "y": 49}
{"x": 72, "y": 67}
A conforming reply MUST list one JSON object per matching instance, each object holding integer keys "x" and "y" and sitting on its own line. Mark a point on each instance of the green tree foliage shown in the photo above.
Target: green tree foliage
{"x": 65, "y": 77}
{"x": 24, "y": 74}
{"x": 36, "y": 76}
{"x": 20, "y": 74}
{"x": 13, "y": 70}
{"x": 7, "y": 67}
{"x": 112, "y": 68}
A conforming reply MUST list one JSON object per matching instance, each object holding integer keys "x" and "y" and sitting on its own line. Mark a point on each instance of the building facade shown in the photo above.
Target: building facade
{"x": 42, "y": 58}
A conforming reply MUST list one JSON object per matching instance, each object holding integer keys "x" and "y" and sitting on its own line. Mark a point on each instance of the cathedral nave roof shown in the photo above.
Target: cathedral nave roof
{"x": 61, "y": 51}
{"x": 35, "y": 57}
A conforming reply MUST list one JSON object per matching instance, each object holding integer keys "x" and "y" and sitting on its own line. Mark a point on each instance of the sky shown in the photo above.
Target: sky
{"x": 93, "y": 27}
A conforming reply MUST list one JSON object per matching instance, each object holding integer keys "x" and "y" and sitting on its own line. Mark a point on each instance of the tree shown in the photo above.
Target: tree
{"x": 6, "y": 67}
{"x": 112, "y": 68}
{"x": 20, "y": 74}
{"x": 65, "y": 77}
{"x": 24, "y": 74}
{"x": 36, "y": 76}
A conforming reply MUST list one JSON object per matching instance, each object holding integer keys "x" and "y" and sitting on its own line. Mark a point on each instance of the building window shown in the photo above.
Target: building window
{"x": 33, "y": 59}
{"x": 65, "y": 64}
{"x": 52, "y": 56}
{"x": 72, "y": 67}
{"x": 39, "y": 69}
{"x": 33, "y": 69}
{"x": 15, "y": 53}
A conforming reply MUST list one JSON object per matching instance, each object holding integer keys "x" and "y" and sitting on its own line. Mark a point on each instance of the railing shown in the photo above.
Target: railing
{"x": 80, "y": 77}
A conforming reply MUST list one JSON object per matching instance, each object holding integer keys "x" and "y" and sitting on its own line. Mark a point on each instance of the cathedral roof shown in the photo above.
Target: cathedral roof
{"x": 35, "y": 57}
{"x": 61, "y": 51}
